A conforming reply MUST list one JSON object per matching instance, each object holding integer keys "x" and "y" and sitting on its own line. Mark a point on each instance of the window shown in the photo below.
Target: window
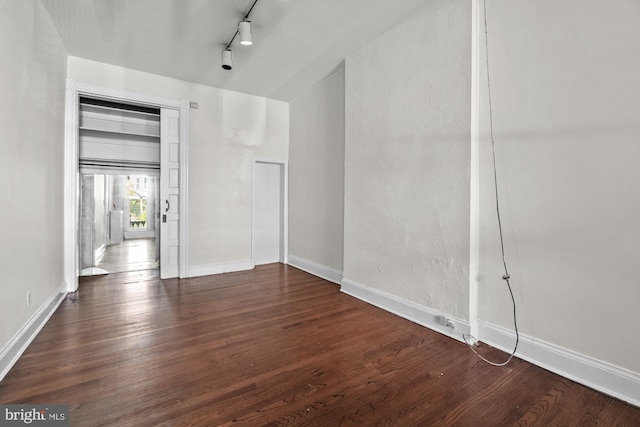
{"x": 137, "y": 195}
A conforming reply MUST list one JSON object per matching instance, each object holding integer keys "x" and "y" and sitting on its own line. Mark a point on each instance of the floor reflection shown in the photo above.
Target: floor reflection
{"x": 130, "y": 255}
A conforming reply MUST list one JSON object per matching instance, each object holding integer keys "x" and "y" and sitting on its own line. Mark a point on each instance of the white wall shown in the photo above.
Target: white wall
{"x": 225, "y": 133}
{"x": 316, "y": 174}
{"x": 407, "y": 160}
{"x": 32, "y": 88}
{"x": 100, "y": 219}
{"x": 566, "y": 91}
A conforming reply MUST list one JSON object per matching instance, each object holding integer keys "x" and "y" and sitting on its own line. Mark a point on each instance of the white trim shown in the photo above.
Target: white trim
{"x": 285, "y": 212}
{"x": 210, "y": 269}
{"x": 71, "y": 188}
{"x": 311, "y": 267}
{"x": 183, "y": 260}
{"x": 144, "y": 234}
{"x": 284, "y": 171}
{"x": 604, "y": 377}
{"x": 417, "y": 313}
{"x": 21, "y": 340}
{"x": 474, "y": 173}
{"x": 71, "y": 199}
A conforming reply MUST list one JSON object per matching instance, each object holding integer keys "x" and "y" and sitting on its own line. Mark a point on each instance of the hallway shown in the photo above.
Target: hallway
{"x": 130, "y": 255}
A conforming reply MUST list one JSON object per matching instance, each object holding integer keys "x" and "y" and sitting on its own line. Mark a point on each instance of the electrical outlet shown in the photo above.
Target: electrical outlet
{"x": 28, "y": 298}
{"x": 445, "y": 321}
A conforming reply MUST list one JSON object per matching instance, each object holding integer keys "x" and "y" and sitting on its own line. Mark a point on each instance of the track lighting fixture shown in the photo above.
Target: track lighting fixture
{"x": 245, "y": 33}
{"x": 244, "y": 30}
{"x": 227, "y": 59}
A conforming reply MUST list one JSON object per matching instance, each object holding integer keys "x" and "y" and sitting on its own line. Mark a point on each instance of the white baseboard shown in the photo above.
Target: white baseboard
{"x": 601, "y": 376}
{"x": 420, "y": 314}
{"x": 207, "y": 270}
{"x": 327, "y": 273}
{"x": 132, "y": 235}
{"x": 598, "y": 375}
{"x": 21, "y": 340}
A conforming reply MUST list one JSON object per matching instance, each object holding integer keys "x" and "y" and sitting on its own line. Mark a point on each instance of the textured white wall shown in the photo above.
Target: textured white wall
{"x": 566, "y": 91}
{"x": 32, "y": 88}
{"x": 407, "y": 159}
{"x": 316, "y": 173}
{"x": 225, "y": 133}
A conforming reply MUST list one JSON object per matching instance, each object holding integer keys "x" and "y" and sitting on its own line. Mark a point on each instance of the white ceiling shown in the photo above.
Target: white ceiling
{"x": 296, "y": 42}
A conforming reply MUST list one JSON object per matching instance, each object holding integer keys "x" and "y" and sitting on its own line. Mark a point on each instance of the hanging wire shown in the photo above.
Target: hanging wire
{"x": 506, "y": 275}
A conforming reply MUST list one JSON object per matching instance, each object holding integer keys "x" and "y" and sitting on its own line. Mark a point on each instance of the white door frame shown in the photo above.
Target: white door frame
{"x": 71, "y": 170}
{"x": 284, "y": 208}
{"x": 477, "y": 31}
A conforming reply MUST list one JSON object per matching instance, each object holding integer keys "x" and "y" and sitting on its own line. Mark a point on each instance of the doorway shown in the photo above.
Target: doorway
{"x": 176, "y": 130}
{"x": 269, "y": 201}
{"x": 119, "y": 230}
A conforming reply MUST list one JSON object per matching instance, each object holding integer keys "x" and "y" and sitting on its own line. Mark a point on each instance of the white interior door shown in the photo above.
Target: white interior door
{"x": 268, "y": 213}
{"x": 169, "y": 192}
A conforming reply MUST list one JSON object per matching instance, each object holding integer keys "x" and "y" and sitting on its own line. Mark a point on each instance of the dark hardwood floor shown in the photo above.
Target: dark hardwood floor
{"x": 275, "y": 346}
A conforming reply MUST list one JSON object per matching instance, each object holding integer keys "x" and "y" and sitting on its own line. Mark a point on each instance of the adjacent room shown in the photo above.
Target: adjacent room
{"x": 309, "y": 212}
{"x": 118, "y": 161}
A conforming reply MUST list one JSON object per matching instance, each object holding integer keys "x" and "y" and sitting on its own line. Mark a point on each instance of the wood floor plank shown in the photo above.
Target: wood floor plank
{"x": 275, "y": 346}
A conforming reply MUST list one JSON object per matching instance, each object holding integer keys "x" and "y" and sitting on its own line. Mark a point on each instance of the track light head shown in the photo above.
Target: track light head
{"x": 244, "y": 31}
{"x": 244, "y": 28}
{"x": 227, "y": 59}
